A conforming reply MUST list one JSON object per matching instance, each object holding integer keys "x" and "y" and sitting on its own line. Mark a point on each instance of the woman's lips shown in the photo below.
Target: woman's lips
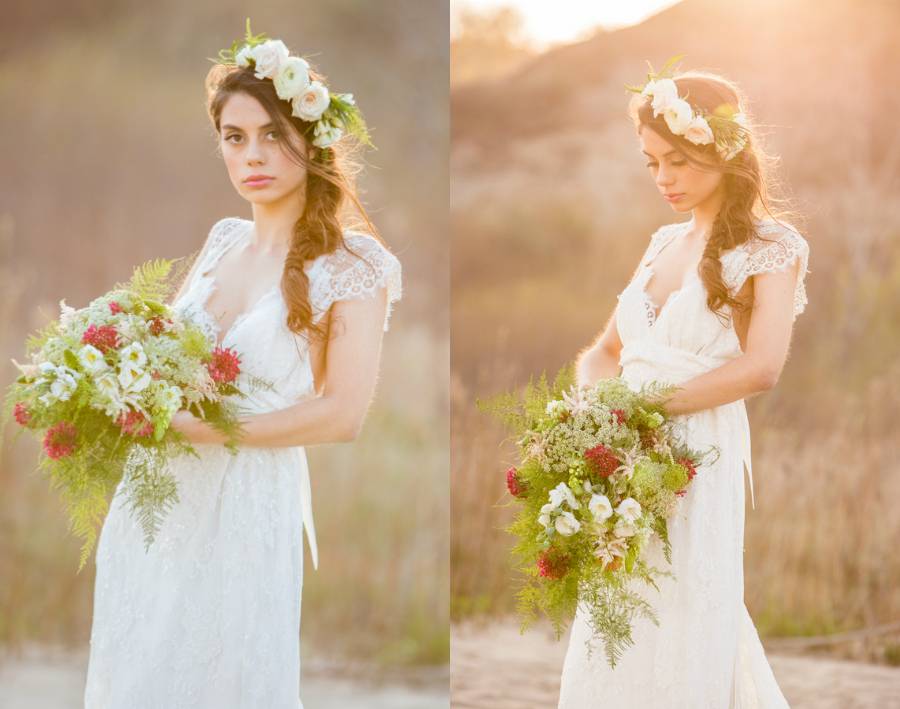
{"x": 674, "y": 197}
{"x": 258, "y": 181}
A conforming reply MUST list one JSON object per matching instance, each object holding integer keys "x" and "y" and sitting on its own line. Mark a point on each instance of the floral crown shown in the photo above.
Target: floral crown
{"x": 726, "y": 126}
{"x": 332, "y": 114}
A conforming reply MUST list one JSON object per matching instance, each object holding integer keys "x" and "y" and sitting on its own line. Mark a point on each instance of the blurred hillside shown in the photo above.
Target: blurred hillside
{"x": 111, "y": 160}
{"x": 551, "y": 207}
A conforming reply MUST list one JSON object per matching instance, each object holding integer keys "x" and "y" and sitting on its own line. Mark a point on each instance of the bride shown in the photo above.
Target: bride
{"x": 209, "y": 616}
{"x": 710, "y": 308}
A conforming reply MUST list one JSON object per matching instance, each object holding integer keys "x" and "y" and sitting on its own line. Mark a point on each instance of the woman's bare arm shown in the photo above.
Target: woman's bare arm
{"x": 759, "y": 367}
{"x": 601, "y": 359}
{"x": 351, "y": 372}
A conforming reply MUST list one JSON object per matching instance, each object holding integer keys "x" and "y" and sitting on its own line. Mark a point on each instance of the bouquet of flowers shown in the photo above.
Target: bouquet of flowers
{"x": 102, "y": 387}
{"x": 601, "y": 470}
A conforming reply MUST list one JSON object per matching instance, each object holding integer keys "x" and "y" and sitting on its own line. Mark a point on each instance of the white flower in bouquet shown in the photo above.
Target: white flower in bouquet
{"x": 133, "y": 378}
{"x": 545, "y": 519}
{"x": 624, "y": 528}
{"x": 292, "y": 78}
{"x": 566, "y": 524}
{"x": 66, "y": 313}
{"x": 555, "y": 407}
{"x": 311, "y": 104}
{"x": 600, "y": 507}
{"x": 92, "y": 359}
{"x": 268, "y": 58}
{"x": 169, "y": 399}
{"x": 608, "y": 548}
{"x": 629, "y": 510}
{"x": 64, "y": 385}
{"x": 576, "y": 401}
{"x": 133, "y": 354}
{"x": 561, "y": 493}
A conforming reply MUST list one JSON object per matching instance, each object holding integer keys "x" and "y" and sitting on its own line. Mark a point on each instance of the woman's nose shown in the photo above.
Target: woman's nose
{"x": 254, "y": 152}
{"x": 663, "y": 178}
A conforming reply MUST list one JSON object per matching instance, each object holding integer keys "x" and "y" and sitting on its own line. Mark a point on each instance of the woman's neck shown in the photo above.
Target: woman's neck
{"x": 704, "y": 215}
{"x": 274, "y": 223}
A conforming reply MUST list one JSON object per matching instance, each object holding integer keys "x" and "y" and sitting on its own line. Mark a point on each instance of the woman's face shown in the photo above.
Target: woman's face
{"x": 252, "y": 148}
{"x": 681, "y": 184}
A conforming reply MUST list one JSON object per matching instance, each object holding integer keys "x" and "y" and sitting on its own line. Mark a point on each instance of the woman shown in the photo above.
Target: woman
{"x": 209, "y": 615}
{"x": 710, "y": 308}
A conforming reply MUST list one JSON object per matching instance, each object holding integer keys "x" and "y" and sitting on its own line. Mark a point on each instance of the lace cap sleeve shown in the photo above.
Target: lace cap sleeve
{"x": 357, "y": 275}
{"x": 778, "y": 249}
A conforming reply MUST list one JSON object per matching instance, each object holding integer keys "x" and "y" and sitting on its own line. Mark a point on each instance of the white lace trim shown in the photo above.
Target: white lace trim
{"x": 351, "y": 276}
{"x": 777, "y": 251}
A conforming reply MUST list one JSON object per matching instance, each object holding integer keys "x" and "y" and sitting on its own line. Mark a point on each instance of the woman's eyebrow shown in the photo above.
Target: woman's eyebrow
{"x": 228, "y": 126}
{"x": 665, "y": 155}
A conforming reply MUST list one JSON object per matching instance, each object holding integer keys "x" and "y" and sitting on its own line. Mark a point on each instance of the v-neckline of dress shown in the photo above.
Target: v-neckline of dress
{"x": 224, "y": 333}
{"x": 654, "y": 311}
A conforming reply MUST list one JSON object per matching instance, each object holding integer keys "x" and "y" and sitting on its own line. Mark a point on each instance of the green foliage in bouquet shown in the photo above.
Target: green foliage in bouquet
{"x": 601, "y": 469}
{"x": 104, "y": 409}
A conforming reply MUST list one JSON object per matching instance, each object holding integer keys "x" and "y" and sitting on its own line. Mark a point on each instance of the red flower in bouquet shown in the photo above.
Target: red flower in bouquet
{"x": 59, "y": 441}
{"x": 620, "y": 415}
{"x": 691, "y": 471}
{"x": 22, "y": 414}
{"x": 516, "y": 487}
{"x": 134, "y": 423}
{"x": 158, "y": 325}
{"x": 225, "y": 365}
{"x": 104, "y": 338}
{"x": 115, "y": 308}
{"x": 552, "y": 565}
{"x": 601, "y": 460}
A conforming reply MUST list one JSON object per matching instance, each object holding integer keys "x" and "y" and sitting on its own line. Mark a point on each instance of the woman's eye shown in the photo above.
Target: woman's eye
{"x": 233, "y": 135}
{"x": 273, "y": 132}
{"x": 679, "y": 163}
{"x": 652, "y": 164}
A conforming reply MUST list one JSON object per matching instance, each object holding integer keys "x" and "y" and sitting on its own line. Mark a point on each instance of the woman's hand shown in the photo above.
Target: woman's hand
{"x": 196, "y": 430}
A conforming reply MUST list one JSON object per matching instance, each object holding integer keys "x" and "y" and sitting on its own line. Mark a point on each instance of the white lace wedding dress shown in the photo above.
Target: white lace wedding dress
{"x": 705, "y": 653}
{"x": 209, "y": 617}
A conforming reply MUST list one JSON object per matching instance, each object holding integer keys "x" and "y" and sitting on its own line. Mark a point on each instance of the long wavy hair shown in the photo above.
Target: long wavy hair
{"x": 750, "y": 190}
{"x": 330, "y": 186}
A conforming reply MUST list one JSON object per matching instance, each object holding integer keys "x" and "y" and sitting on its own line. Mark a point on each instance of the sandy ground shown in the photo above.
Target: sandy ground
{"x": 494, "y": 667}
{"x": 46, "y": 680}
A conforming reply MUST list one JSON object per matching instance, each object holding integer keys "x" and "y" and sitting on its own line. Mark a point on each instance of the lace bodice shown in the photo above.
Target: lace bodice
{"x": 260, "y": 334}
{"x": 684, "y": 320}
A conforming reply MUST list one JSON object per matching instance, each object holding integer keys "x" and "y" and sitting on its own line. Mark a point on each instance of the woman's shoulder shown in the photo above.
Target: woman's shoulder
{"x": 776, "y": 236}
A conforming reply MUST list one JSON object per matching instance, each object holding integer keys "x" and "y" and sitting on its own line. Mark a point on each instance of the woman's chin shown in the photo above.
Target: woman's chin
{"x": 681, "y": 206}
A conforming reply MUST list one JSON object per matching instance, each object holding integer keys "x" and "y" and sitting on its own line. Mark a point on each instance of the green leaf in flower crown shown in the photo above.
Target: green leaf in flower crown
{"x": 343, "y": 111}
{"x": 228, "y": 56}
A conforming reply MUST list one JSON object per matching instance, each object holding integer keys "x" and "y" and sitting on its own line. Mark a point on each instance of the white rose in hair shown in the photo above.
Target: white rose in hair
{"x": 566, "y": 524}
{"x": 292, "y": 79}
{"x": 243, "y": 57}
{"x": 326, "y": 134}
{"x": 678, "y": 116}
{"x": 268, "y": 58}
{"x": 663, "y": 91}
{"x": 311, "y": 104}
{"x": 699, "y": 132}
